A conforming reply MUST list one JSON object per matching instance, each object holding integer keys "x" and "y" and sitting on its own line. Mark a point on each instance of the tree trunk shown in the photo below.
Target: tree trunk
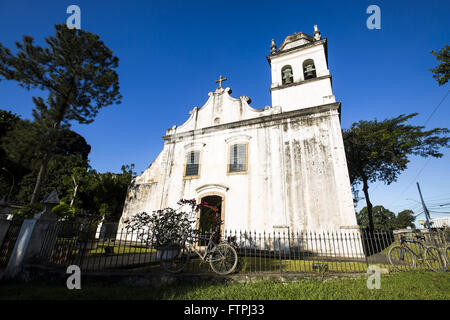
{"x": 44, "y": 164}
{"x": 40, "y": 179}
{"x": 75, "y": 191}
{"x": 369, "y": 204}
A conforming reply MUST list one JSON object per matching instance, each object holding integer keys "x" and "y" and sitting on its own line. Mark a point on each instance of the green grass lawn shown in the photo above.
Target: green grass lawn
{"x": 122, "y": 250}
{"x": 258, "y": 264}
{"x": 251, "y": 264}
{"x": 401, "y": 285}
{"x": 119, "y": 248}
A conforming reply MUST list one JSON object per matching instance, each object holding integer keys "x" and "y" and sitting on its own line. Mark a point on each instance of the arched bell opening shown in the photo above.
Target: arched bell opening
{"x": 287, "y": 75}
{"x": 309, "y": 69}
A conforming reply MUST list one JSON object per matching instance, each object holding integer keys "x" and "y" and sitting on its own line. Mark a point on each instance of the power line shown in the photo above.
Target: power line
{"x": 412, "y": 181}
{"x": 428, "y": 160}
{"x": 445, "y": 96}
{"x": 439, "y": 196}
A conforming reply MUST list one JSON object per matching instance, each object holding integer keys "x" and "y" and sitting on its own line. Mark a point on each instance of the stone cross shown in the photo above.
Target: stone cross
{"x": 220, "y": 81}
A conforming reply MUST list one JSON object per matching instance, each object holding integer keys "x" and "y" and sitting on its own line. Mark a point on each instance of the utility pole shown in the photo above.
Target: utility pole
{"x": 427, "y": 214}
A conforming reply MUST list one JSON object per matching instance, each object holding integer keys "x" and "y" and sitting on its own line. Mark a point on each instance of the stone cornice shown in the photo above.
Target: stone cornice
{"x": 300, "y": 82}
{"x": 278, "y": 117}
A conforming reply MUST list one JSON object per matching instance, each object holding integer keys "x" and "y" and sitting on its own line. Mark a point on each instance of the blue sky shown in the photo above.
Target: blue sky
{"x": 171, "y": 53}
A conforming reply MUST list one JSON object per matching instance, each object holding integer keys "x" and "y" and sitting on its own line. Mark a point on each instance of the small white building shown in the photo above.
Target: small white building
{"x": 440, "y": 222}
{"x": 281, "y": 167}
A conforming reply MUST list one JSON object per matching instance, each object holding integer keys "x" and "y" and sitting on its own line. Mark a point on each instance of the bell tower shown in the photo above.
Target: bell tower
{"x": 300, "y": 75}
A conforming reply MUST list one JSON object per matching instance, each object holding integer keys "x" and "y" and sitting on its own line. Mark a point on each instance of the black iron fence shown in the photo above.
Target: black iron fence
{"x": 8, "y": 240}
{"x": 100, "y": 248}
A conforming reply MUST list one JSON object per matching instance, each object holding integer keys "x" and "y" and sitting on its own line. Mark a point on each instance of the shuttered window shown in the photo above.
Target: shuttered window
{"x": 192, "y": 164}
{"x": 238, "y": 158}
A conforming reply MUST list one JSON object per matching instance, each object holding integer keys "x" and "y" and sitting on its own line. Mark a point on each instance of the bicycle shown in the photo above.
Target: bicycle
{"x": 403, "y": 256}
{"x": 221, "y": 256}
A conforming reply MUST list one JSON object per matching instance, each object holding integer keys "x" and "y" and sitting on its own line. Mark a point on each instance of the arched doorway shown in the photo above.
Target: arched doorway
{"x": 206, "y": 220}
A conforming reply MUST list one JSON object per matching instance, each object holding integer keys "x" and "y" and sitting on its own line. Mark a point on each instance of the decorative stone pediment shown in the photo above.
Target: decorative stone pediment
{"x": 219, "y": 109}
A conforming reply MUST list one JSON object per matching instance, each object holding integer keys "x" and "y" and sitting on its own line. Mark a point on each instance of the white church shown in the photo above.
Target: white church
{"x": 280, "y": 168}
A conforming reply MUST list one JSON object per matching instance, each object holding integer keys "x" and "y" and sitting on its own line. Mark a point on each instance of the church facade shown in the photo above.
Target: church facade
{"x": 280, "y": 168}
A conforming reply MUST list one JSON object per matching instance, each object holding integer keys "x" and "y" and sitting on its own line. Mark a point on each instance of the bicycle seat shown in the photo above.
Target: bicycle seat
{"x": 420, "y": 237}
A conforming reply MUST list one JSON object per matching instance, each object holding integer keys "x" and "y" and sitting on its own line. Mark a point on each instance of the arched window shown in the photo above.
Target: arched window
{"x": 309, "y": 70}
{"x": 287, "y": 75}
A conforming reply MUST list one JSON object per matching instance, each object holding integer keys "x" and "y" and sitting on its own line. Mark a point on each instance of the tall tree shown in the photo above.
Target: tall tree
{"x": 98, "y": 194}
{"x": 77, "y": 70}
{"x": 9, "y": 171}
{"x": 405, "y": 219}
{"x": 23, "y": 148}
{"x": 379, "y": 151}
{"x": 383, "y": 219}
{"x": 442, "y": 72}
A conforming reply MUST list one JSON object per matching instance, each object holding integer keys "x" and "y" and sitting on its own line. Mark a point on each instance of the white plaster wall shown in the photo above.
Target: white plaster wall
{"x": 318, "y": 192}
{"x": 303, "y": 96}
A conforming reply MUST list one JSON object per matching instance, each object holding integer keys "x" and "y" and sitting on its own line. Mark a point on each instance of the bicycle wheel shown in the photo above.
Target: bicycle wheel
{"x": 174, "y": 258}
{"x": 401, "y": 258}
{"x": 223, "y": 259}
{"x": 435, "y": 259}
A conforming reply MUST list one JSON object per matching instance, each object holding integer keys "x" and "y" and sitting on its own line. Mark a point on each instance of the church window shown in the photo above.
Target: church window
{"x": 238, "y": 158}
{"x": 287, "y": 75}
{"x": 309, "y": 70}
{"x": 192, "y": 164}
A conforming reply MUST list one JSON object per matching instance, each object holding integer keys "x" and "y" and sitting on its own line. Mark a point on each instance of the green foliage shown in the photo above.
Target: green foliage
{"x": 380, "y": 150}
{"x": 384, "y": 219}
{"x": 164, "y": 227}
{"x": 405, "y": 219}
{"x": 10, "y": 171}
{"x": 442, "y": 72}
{"x": 23, "y": 152}
{"x": 27, "y": 212}
{"x": 98, "y": 194}
{"x": 7, "y": 121}
{"x": 64, "y": 212}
